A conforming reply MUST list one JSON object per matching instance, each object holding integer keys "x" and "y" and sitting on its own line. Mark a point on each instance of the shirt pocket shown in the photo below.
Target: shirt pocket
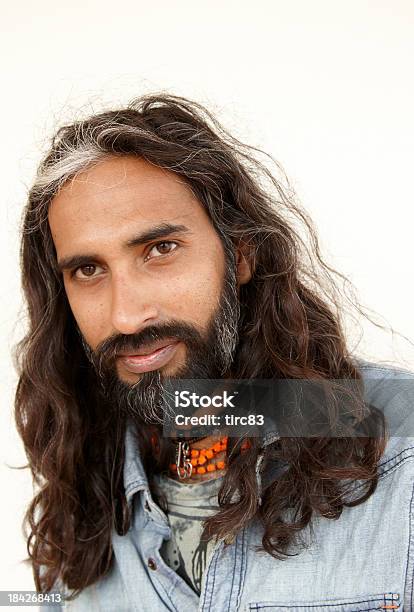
{"x": 383, "y": 602}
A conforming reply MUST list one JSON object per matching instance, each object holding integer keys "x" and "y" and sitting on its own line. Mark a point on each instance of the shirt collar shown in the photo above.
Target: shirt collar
{"x": 135, "y": 478}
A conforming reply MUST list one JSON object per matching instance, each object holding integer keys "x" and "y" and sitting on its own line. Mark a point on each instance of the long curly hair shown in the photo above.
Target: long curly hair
{"x": 290, "y": 327}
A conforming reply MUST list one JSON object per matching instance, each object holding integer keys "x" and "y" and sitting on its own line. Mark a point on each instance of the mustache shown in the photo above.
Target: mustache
{"x": 103, "y": 358}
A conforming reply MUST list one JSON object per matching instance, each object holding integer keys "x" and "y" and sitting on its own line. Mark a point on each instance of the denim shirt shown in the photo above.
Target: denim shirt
{"x": 362, "y": 561}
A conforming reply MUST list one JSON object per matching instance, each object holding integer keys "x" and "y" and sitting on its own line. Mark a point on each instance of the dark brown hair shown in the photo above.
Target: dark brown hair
{"x": 290, "y": 327}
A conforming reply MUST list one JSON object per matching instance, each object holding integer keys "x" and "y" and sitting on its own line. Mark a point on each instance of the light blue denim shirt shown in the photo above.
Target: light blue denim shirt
{"x": 362, "y": 561}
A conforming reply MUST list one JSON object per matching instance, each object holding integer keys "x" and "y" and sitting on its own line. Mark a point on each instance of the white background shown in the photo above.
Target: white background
{"x": 326, "y": 86}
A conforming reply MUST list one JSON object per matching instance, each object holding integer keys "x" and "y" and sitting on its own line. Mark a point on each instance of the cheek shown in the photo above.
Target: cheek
{"x": 195, "y": 296}
{"x": 89, "y": 316}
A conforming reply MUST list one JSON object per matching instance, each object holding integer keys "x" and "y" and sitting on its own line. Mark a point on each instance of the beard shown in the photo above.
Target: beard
{"x": 209, "y": 355}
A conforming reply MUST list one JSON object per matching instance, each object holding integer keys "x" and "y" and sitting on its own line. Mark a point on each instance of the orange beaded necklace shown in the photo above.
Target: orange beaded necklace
{"x": 189, "y": 461}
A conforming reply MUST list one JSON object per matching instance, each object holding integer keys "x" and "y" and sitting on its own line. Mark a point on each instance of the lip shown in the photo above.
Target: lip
{"x": 151, "y": 361}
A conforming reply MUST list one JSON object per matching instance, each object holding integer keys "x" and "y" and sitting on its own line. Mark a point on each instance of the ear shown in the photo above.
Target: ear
{"x": 244, "y": 263}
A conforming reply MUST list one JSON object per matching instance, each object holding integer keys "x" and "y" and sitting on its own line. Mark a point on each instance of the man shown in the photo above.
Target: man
{"x": 156, "y": 249}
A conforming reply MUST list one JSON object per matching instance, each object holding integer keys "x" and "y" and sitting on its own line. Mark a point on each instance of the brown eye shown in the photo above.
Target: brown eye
{"x": 86, "y": 271}
{"x": 162, "y": 248}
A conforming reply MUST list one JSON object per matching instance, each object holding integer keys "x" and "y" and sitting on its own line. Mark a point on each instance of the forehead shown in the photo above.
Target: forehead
{"x": 119, "y": 196}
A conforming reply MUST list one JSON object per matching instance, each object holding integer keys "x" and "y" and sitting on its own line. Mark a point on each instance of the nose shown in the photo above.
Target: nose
{"x": 132, "y": 305}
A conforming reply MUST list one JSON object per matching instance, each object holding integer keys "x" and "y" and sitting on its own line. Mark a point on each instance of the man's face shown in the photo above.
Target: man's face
{"x": 143, "y": 268}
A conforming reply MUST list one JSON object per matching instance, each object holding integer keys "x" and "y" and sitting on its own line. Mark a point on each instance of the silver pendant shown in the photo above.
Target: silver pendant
{"x": 183, "y": 460}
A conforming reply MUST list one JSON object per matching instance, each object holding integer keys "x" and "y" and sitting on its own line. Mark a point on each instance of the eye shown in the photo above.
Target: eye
{"x": 86, "y": 271}
{"x": 162, "y": 248}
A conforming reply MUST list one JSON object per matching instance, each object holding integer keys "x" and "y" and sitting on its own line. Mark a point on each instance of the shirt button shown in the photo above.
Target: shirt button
{"x": 151, "y": 564}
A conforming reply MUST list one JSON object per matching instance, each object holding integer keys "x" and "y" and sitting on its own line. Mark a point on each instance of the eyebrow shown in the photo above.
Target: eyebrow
{"x": 159, "y": 231}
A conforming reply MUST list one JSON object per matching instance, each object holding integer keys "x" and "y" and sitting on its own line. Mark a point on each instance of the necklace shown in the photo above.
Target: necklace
{"x": 189, "y": 461}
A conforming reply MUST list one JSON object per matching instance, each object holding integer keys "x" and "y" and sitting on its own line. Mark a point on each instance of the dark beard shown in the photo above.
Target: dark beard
{"x": 208, "y": 357}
